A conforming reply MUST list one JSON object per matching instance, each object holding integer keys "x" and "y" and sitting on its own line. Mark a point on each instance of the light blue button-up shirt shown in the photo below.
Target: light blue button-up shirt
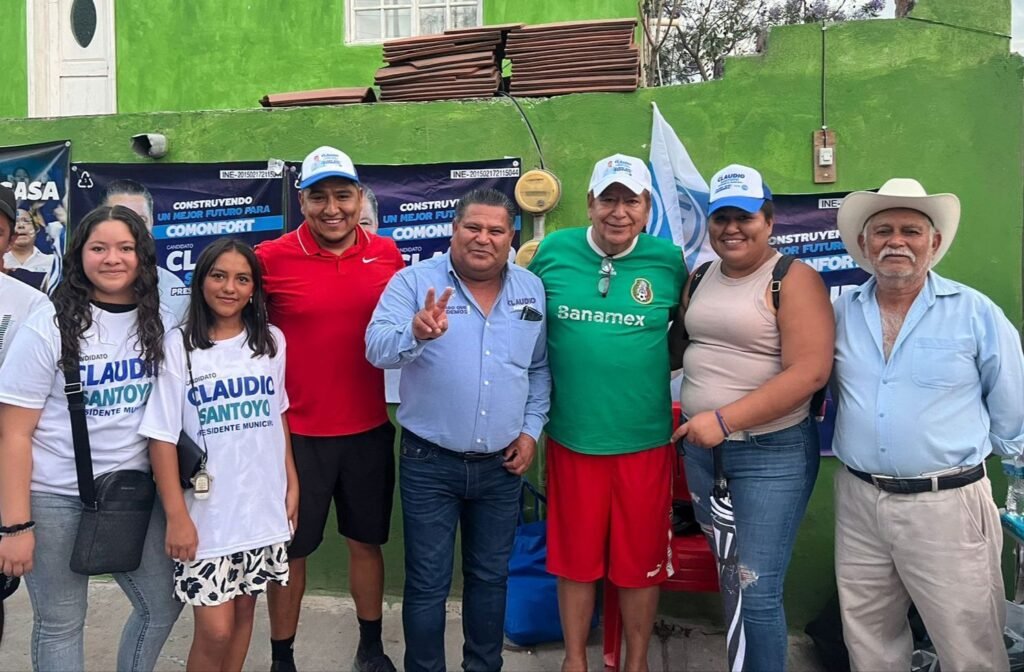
{"x": 481, "y": 383}
{"x": 951, "y": 392}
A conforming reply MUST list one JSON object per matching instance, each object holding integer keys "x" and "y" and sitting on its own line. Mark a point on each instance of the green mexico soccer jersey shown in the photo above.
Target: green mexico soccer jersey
{"x": 609, "y": 353}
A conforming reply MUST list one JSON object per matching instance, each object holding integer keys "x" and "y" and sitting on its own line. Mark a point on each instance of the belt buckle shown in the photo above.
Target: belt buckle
{"x": 889, "y": 484}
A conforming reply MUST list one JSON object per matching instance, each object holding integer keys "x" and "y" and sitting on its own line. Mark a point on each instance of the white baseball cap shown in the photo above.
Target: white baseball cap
{"x": 628, "y": 171}
{"x": 740, "y": 187}
{"x": 327, "y": 162}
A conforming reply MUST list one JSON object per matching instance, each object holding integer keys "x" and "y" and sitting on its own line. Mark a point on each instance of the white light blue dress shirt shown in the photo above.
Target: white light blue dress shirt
{"x": 481, "y": 383}
{"x": 951, "y": 392}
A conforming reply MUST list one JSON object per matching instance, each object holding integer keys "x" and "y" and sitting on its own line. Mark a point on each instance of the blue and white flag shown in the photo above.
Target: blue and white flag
{"x": 680, "y": 199}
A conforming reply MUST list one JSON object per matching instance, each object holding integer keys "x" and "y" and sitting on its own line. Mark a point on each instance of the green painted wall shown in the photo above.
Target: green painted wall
{"x": 208, "y": 54}
{"x": 906, "y": 98}
{"x": 211, "y": 55}
{"x": 986, "y": 15}
{"x": 14, "y": 80}
{"x": 546, "y": 11}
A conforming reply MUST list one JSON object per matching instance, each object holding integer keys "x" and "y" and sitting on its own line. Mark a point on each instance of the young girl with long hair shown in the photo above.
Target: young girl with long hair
{"x": 223, "y": 383}
{"x": 105, "y": 319}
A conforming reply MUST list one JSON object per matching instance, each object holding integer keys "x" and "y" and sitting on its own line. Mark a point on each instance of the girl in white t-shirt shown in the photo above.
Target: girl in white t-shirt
{"x": 111, "y": 325}
{"x": 228, "y": 535}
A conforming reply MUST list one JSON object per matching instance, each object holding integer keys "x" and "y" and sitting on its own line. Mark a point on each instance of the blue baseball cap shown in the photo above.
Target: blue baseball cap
{"x": 740, "y": 187}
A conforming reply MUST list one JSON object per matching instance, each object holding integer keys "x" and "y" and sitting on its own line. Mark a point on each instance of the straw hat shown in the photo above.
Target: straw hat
{"x": 942, "y": 209}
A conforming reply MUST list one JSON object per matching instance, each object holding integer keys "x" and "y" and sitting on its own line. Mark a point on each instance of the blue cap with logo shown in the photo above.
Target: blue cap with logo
{"x": 325, "y": 162}
{"x": 740, "y": 187}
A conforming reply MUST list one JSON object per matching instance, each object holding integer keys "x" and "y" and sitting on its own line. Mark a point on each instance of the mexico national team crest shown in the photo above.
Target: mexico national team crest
{"x": 642, "y": 291}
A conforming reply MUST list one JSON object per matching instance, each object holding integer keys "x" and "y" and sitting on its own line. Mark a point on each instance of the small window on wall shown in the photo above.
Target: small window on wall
{"x": 374, "y": 21}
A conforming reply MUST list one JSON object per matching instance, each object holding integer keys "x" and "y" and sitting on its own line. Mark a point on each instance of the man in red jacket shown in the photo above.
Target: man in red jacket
{"x": 322, "y": 283}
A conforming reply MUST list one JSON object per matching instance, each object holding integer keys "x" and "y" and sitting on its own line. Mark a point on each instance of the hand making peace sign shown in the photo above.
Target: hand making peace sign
{"x": 432, "y": 320}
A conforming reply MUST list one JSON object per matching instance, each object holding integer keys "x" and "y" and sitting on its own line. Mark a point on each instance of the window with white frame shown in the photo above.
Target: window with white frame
{"x": 373, "y": 21}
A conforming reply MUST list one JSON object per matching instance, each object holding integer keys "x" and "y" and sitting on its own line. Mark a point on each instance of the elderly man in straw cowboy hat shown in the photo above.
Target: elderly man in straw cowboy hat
{"x": 929, "y": 380}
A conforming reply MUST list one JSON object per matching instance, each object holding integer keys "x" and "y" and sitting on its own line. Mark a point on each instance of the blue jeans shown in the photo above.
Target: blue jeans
{"x": 770, "y": 477}
{"x": 439, "y": 491}
{"x": 60, "y": 598}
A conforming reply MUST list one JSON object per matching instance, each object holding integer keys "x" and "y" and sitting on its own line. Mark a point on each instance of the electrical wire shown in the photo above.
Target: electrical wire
{"x": 824, "y": 124}
{"x": 536, "y": 142}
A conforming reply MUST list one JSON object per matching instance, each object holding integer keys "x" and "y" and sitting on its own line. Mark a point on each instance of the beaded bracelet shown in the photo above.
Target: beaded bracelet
{"x": 721, "y": 424}
{"x": 15, "y": 530}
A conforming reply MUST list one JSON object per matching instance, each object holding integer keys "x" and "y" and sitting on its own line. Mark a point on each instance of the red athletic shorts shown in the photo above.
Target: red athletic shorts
{"x": 610, "y": 515}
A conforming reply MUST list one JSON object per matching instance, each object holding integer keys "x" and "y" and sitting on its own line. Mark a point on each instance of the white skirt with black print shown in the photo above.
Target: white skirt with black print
{"x": 213, "y": 581}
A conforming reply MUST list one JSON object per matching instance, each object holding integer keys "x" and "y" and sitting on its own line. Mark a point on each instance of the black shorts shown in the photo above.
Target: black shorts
{"x": 358, "y": 473}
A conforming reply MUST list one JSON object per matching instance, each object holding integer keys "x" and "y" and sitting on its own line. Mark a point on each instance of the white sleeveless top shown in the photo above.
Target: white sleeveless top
{"x": 734, "y": 343}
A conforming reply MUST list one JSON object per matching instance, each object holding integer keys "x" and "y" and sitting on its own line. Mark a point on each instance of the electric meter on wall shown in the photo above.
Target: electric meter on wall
{"x": 538, "y": 191}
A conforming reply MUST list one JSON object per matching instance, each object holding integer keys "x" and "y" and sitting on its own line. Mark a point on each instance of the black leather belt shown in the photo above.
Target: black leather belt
{"x": 468, "y": 456}
{"x": 910, "y": 486}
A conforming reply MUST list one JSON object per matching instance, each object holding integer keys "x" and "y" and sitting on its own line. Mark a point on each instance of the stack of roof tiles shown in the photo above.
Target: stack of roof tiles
{"x": 363, "y": 94}
{"x": 574, "y": 57}
{"x": 464, "y": 63}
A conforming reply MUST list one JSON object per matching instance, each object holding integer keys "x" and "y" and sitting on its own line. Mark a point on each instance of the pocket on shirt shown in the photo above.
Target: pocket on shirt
{"x": 523, "y": 339}
{"x": 943, "y": 363}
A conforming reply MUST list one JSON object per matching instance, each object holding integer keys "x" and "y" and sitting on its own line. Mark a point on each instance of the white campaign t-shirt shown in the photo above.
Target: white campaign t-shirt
{"x": 239, "y": 399}
{"x": 117, "y": 384}
{"x": 17, "y": 301}
{"x": 37, "y": 262}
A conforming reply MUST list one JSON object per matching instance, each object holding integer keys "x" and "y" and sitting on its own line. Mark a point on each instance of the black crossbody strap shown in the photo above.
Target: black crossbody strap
{"x": 75, "y": 393}
{"x": 192, "y": 387}
{"x": 698, "y": 275}
{"x": 778, "y": 273}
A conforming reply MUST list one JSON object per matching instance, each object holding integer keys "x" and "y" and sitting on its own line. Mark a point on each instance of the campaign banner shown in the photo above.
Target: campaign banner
{"x": 187, "y": 206}
{"x": 415, "y": 204}
{"x": 805, "y": 226}
{"x": 38, "y": 174}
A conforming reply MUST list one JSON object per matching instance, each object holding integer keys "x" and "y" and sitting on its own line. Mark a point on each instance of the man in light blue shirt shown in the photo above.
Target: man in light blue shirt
{"x": 929, "y": 380}
{"x": 468, "y": 331}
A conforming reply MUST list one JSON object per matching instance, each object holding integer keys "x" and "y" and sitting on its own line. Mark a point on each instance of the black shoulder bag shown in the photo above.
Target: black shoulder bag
{"x": 191, "y": 457}
{"x": 116, "y": 507}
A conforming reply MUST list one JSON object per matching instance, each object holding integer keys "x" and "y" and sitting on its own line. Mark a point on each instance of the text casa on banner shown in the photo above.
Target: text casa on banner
{"x": 38, "y": 174}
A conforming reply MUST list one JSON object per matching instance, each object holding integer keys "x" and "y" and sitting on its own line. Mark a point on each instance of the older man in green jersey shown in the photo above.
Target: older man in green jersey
{"x": 611, "y": 292}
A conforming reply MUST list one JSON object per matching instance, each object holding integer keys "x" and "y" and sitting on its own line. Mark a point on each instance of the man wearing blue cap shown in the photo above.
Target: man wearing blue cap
{"x": 323, "y": 281}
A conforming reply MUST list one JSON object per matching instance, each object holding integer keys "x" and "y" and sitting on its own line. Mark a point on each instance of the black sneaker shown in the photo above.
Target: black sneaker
{"x": 378, "y": 663}
{"x": 282, "y": 666}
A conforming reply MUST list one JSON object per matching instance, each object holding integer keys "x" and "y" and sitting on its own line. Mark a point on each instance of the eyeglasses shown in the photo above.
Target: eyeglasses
{"x": 604, "y": 283}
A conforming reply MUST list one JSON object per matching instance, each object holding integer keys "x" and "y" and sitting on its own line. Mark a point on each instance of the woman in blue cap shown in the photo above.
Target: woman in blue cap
{"x": 750, "y": 370}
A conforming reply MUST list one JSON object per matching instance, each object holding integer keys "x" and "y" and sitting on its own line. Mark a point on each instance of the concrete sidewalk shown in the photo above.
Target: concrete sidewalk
{"x": 328, "y": 634}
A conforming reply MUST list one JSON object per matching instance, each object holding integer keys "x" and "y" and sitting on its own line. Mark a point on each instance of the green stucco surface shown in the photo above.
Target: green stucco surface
{"x": 210, "y": 54}
{"x": 987, "y": 15}
{"x": 546, "y": 11}
{"x": 906, "y": 98}
{"x": 14, "y": 77}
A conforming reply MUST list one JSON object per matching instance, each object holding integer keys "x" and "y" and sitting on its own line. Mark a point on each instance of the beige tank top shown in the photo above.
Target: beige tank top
{"x": 734, "y": 343}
